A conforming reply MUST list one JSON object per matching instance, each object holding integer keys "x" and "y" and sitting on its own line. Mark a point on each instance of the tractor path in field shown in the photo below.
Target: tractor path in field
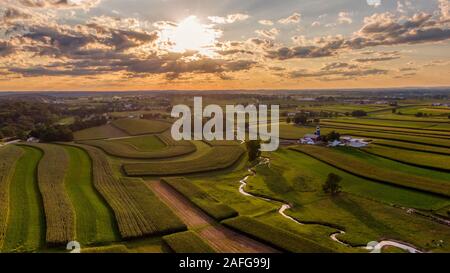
{"x": 221, "y": 238}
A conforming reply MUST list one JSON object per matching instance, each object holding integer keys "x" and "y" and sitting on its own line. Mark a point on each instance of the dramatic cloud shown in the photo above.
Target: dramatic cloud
{"x": 89, "y": 39}
{"x": 229, "y": 19}
{"x": 379, "y": 30}
{"x": 339, "y": 70}
{"x": 67, "y": 4}
{"x": 293, "y": 19}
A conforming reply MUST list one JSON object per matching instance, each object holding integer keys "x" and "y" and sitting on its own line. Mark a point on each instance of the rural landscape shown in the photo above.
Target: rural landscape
{"x": 215, "y": 131}
{"x": 102, "y": 169}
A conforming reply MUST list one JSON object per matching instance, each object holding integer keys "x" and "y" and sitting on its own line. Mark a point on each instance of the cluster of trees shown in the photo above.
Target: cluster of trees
{"x": 28, "y": 118}
{"x": 81, "y": 124}
{"x": 359, "y": 113}
{"x": 52, "y": 133}
{"x": 332, "y": 136}
{"x": 303, "y": 118}
{"x": 422, "y": 115}
{"x": 17, "y": 118}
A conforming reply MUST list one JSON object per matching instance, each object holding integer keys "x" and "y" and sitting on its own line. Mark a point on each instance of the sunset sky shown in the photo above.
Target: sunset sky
{"x": 227, "y": 44}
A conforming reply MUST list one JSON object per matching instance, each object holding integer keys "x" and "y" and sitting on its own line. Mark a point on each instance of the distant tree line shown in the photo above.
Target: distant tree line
{"x": 22, "y": 119}
{"x": 17, "y": 118}
{"x": 359, "y": 113}
{"x": 81, "y": 124}
{"x": 53, "y": 133}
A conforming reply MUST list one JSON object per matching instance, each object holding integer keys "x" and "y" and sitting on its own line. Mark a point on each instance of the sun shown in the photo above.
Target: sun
{"x": 190, "y": 34}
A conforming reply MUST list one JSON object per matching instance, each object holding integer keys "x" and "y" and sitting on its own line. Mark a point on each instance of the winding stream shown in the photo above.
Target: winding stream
{"x": 374, "y": 247}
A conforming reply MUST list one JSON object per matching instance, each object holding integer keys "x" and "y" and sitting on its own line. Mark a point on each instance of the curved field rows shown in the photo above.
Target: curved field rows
{"x": 100, "y": 132}
{"x": 59, "y": 213}
{"x": 137, "y": 127}
{"x": 379, "y": 169}
{"x": 125, "y": 149}
{"x": 136, "y": 212}
{"x": 8, "y": 158}
{"x": 218, "y": 158}
{"x": 219, "y": 237}
{"x": 94, "y": 219}
{"x": 26, "y": 223}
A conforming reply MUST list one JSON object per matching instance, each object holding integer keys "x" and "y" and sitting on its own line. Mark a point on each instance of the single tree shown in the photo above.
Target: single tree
{"x": 332, "y": 185}
{"x": 332, "y": 136}
{"x": 253, "y": 149}
{"x": 300, "y": 119}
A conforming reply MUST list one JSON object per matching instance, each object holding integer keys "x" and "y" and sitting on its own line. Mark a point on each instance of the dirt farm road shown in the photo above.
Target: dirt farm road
{"x": 221, "y": 238}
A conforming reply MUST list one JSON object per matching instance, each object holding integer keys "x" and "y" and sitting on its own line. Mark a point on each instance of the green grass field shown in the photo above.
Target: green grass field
{"x": 380, "y": 169}
{"x": 276, "y": 237}
{"x": 415, "y": 158}
{"x": 95, "y": 221}
{"x": 365, "y": 209}
{"x": 8, "y": 157}
{"x": 296, "y": 177}
{"x": 412, "y": 146}
{"x": 26, "y": 223}
{"x": 187, "y": 242}
{"x": 200, "y": 198}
